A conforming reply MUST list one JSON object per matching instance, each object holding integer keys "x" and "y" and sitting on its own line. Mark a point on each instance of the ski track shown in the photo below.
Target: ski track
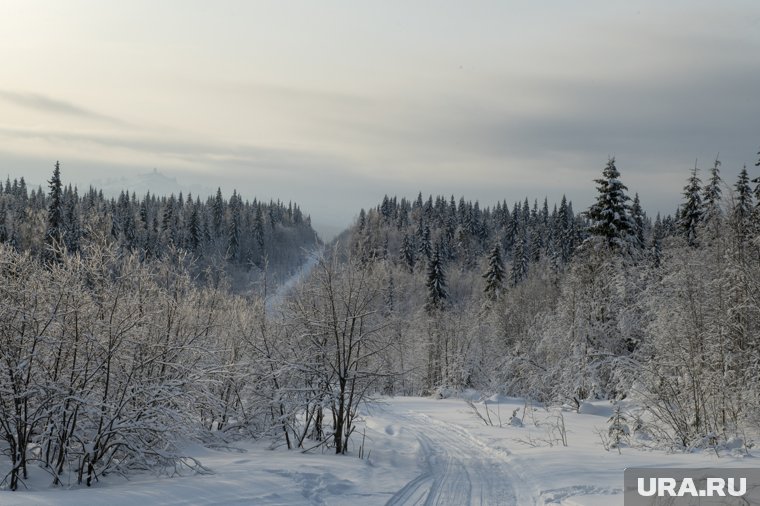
{"x": 458, "y": 470}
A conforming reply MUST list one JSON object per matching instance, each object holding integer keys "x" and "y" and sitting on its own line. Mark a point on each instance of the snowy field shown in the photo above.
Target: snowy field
{"x": 417, "y": 451}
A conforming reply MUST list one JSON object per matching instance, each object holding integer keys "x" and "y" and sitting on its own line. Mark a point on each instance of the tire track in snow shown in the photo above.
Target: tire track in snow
{"x": 459, "y": 470}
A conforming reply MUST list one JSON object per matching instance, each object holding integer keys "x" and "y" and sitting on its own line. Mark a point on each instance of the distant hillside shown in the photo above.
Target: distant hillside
{"x": 154, "y": 182}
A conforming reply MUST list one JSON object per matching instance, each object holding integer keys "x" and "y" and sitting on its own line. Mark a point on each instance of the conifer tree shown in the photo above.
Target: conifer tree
{"x": 73, "y": 232}
{"x": 495, "y": 274}
{"x": 742, "y": 206}
{"x": 437, "y": 292}
{"x": 712, "y": 193}
{"x": 639, "y": 220}
{"x": 520, "y": 258}
{"x": 692, "y": 210}
{"x": 233, "y": 229}
{"x": 425, "y": 247}
{"x": 610, "y": 219}
{"x": 218, "y": 212}
{"x": 194, "y": 229}
{"x": 657, "y": 234}
{"x": 757, "y": 196}
{"x": 168, "y": 221}
{"x": 258, "y": 229}
{"x": 54, "y": 234}
{"x": 3, "y": 222}
{"x": 407, "y": 253}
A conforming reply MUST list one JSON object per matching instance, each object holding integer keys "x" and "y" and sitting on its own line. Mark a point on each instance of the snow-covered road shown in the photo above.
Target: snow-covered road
{"x": 458, "y": 469}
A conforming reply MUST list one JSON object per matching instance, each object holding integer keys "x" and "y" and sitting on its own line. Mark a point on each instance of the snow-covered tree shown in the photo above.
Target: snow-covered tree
{"x": 435, "y": 282}
{"x": 742, "y": 209}
{"x": 692, "y": 209}
{"x": 639, "y": 220}
{"x": 495, "y": 274}
{"x": 609, "y": 215}
{"x": 55, "y": 224}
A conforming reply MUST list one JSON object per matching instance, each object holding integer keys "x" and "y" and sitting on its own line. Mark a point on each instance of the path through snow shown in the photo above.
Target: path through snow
{"x": 458, "y": 469}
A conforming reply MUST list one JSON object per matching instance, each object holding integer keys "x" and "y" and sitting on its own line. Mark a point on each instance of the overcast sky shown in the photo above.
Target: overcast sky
{"x": 335, "y": 103}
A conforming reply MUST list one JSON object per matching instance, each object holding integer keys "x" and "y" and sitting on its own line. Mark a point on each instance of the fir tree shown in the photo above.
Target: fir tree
{"x": 194, "y": 229}
{"x": 639, "y": 220}
{"x": 437, "y": 292}
{"x": 258, "y": 229}
{"x": 692, "y": 210}
{"x": 520, "y": 258}
{"x": 757, "y": 196}
{"x": 564, "y": 230}
{"x": 495, "y": 274}
{"x": 54, "y": 234}
{"x": 406, "y": 254}
{"x": 218, "y": 212}
{"x": 712, "y": 193}
{"x": 657, "y": 234}
{"x": 609, "y": 215}
{"x": 743, "y": 206}
{"x": 3, "y": 221}
{"x": 73, "y": 227}
{"x": 168, "y": 222}
{"x": 233, "y": 229}
{"x": 425, "y": 247}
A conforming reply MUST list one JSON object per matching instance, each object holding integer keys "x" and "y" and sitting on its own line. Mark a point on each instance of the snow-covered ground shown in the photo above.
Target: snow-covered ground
{"x": 418, "y": 451}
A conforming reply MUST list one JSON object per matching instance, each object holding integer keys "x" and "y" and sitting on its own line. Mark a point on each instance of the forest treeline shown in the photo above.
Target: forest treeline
{"x": 561, "y": 307}
{"x": 120, "y": 347}
{"x": 244, "y": 237}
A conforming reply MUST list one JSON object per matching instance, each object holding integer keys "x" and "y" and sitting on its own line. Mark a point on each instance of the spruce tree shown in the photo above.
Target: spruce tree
{"x": 425, "y": 247}
{"x": 168, "y": 221}
{"x": 757, "y": 197}
{"x": 233, "y": 229}
{"x": 712, "y": 193}
{"x": 73, "y": 232}
{"x": 520, "y": 258}
{"x": 194, "y": 229}
{"x": 692, "y": 210}
{"x": 406, "y": 255}
{"x": 495, "y": 274}
{"x": 657, "y": 234}
{"x": 218, "y": 212}
{"x": 743, "y": 206}
{"x": 54, "y": 233}
{"x": 437, "y": 292}
{"x": 639, "y": 220}
{"x": 3, "y": 221}
{"x": 258, "y": 229}
{"x": 609, "y": 216}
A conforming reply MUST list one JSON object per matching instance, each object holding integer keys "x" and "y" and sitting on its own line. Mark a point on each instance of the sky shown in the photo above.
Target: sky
{"x": 333, "y": 104}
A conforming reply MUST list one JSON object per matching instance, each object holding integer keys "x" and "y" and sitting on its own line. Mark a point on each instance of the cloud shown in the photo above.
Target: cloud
{"x": 47, "y": 104}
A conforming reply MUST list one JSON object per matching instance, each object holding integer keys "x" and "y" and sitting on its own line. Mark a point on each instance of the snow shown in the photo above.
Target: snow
{"x": 420, "y": 449}
{"x": 597, "y": 409}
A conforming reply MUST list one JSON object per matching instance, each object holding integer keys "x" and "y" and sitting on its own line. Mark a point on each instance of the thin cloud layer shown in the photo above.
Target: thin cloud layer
{"x": 47, "y": 104}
